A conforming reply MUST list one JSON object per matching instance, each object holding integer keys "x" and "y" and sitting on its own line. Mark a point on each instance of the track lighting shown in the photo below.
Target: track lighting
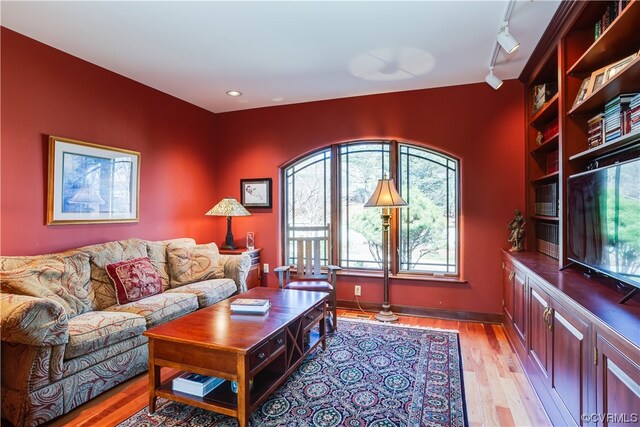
{"x": 493, "y": 80}
{"x": 506, "y": 40}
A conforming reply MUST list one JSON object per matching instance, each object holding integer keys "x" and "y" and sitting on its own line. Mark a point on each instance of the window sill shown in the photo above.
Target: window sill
{"x": 403, "y": 276}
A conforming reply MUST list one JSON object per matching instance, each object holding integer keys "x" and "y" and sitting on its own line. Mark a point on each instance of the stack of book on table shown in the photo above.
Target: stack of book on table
{"x": 195, "y": 384}
{"x": 250, "y": 305}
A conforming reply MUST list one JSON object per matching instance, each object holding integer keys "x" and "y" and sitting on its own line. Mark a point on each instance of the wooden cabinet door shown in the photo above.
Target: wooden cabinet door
{"x": 519, "y": 303}
{"x": 253, "y": 278}
{"x": 508, "y": 274}
{"x": 539, "y": 336}
{"x": 618, "y": 385}
{"x": 571, "y": 362}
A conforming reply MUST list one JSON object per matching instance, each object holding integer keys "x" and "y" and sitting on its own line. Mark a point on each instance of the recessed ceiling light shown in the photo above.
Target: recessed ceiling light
{"x": 234, "y": 93}
{"x": 278, "y": 99}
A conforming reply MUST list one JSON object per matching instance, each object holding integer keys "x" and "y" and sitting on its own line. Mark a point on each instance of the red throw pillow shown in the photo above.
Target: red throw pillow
{"x": 134, "y": 279}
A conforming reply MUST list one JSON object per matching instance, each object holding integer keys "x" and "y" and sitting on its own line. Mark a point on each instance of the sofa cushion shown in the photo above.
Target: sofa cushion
{"x": 134, "y": 279}
{"x": 161, "y": 308}
{"x": 92, "y": 331}
{"x": 108, "y": 253}
{"x": 63, "y": 278}
{"x": 193, "y": 263}
{"x": 210, "y": 291}
{"x": 158, "y": 255}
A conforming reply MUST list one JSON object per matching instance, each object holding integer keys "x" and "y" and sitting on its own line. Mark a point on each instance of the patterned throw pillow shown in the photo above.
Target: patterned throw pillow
{"x": 193, "y": 263}
{"x": 134, "y": 279}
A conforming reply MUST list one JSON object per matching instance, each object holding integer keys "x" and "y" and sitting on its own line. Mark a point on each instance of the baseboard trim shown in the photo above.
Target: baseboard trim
{"x": 426, "y": 312}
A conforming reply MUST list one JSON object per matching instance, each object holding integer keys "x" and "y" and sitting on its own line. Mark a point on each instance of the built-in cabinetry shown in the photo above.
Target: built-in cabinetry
{"x": 578, "y": 346}
{"x": 571, "y": 58}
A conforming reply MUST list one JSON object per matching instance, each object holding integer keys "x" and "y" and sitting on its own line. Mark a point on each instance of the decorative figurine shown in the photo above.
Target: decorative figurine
{"x": 517, "y": 229}
{"x": 539, "y": 138}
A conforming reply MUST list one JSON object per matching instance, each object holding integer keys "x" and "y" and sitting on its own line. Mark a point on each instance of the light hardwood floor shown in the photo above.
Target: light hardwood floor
{"x": 496, "y": 389}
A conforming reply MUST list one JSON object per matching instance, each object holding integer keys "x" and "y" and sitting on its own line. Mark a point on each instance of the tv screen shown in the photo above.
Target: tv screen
{"x": 603, "y": 209}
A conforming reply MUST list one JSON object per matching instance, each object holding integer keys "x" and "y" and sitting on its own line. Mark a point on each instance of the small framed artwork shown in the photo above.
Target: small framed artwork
{"x": 598, "y": 79}
{"x": 582, "y": 93}
{"x": 615, "y": 68}
{"x": 255, "y": 193}
{"x": 91, "y": 183}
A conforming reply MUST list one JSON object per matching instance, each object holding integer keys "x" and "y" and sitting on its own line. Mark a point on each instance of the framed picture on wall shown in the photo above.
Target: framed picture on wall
{"x": 255, "y": 192}
{"x": 91, "y": 183}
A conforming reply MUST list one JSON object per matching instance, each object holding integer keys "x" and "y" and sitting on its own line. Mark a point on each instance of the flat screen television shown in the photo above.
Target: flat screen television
{"x": 603, "y": 224}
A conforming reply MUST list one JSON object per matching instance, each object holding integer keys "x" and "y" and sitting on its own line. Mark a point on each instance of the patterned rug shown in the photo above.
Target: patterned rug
{"x": 371, "y": 374}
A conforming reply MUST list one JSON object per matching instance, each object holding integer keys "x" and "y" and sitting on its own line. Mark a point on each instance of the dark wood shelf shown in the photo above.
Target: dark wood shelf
{"x": 615, "y": 43}
{"x": 548, "y": 112}
{"x": 614, "y": 145}
{"x": 545, "y": 218}
{"x": 628, "y": 80}
{"x": 544, "y": 178}
{"x": 547, "y": 146}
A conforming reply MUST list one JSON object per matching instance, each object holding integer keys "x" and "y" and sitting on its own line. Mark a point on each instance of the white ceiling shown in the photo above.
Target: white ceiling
{"x": 284, "y": 52}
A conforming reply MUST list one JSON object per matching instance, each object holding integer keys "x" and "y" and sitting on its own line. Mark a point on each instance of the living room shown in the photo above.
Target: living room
{"x": 192, "y": 157}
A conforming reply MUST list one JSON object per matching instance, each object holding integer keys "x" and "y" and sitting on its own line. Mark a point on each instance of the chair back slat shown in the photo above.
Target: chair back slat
{"x": 312, "y": 252}
{"x": 316, "y": 257}
{"x": 300, "y": 256}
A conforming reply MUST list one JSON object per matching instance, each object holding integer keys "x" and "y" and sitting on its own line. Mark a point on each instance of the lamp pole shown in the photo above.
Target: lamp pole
{"x": 386, "y": 315}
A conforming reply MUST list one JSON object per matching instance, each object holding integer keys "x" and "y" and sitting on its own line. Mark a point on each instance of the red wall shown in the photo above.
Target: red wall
{"x": 47, "y": 92}
{"x": 191, "y": 158}
{"x": 480, "y": 126}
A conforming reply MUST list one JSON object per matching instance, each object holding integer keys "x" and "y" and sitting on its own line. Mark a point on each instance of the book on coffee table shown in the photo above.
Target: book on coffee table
{"x": 195, "y": 384}
{"x": 250, "y": 305}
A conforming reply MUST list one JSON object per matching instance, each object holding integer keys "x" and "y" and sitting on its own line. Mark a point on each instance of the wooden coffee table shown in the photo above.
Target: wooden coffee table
{"x": 238, "y": 347}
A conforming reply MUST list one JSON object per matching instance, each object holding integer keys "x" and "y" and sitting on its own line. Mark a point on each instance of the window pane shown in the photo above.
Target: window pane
{"x": 307, "y": 199}
{"x": 361, "y": 166}
{"x": 428, "y": 227}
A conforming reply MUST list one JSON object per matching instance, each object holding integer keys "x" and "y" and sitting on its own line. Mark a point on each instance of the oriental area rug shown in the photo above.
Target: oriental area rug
{"x": 371, "y": 374}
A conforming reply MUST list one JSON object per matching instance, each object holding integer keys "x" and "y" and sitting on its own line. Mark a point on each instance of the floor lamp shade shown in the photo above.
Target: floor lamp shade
{"x": 386, "y": 197}
{"x": 228, "y": 207}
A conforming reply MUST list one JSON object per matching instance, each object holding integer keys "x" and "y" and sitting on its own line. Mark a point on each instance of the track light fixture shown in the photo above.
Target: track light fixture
{"x": 493, "y": 80}
{"x": 506, "y": 40}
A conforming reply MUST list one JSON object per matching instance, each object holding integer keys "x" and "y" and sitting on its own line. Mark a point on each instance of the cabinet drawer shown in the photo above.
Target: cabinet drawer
{"x": 277, "y": 342}
{"x": 259, "y": 355}
{"x": 314, "y": 314}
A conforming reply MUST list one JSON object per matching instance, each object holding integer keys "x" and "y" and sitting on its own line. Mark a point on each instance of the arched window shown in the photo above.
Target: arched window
{"x": 331, "y": 186}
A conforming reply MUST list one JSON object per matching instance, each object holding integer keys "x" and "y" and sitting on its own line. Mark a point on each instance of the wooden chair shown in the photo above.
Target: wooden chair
{"x": 310, "y": 273}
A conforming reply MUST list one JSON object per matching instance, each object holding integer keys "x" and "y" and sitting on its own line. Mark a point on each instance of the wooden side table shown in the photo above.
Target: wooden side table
{"x": 254, "y": 278}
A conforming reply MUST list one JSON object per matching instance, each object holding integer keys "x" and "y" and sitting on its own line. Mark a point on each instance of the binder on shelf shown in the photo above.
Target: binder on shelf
{"x": 196, "y": 384}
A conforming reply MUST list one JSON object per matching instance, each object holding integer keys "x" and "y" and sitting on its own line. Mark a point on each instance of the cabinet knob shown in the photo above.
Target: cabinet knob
{"x": 309, "y": 317}
{"x": 261, "y": 355}
{"x": 279, "y": 341}
{"x": 512, "y": 275}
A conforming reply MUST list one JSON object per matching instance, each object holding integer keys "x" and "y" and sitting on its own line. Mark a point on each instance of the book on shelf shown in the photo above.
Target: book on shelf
{"x": 250, "y": 305}
{"x": 617, "y": 120}
{"x": 548, "y": 239}
{"x": 196, "y": 384}
{"x": 546, "y": 200}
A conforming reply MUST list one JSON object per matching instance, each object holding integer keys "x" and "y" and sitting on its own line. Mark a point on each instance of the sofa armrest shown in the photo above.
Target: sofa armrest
{"x": 32, "y": 321}
{"x": 237, "y": 267}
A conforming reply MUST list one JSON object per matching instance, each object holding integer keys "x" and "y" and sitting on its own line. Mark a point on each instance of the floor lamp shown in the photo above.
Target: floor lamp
{"x": 386, "y": 197}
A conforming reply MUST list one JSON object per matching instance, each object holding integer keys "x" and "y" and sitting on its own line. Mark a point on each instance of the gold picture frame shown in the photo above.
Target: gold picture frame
{"x": 91, "y": 183}
{"x": 597, "y": 80}
{"x": 582, "y": 92}
{"x": 616, "y": 67}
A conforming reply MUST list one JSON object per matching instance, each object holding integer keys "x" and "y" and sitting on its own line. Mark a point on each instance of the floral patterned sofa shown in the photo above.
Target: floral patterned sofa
{"x": 65, "y": 336}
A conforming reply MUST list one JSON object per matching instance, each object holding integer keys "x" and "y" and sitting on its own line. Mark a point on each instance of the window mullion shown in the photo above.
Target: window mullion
{"x": 393, "y": 232}
{"x": 336, "y": 219}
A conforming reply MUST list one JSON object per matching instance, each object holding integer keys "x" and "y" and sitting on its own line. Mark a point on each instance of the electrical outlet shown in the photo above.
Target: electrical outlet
{"x": 265, "y": 267}
{"x": 357, "y": 290}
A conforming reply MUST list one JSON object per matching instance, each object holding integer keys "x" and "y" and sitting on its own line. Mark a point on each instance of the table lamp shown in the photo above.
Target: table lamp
{"x": 228, "y": 207}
